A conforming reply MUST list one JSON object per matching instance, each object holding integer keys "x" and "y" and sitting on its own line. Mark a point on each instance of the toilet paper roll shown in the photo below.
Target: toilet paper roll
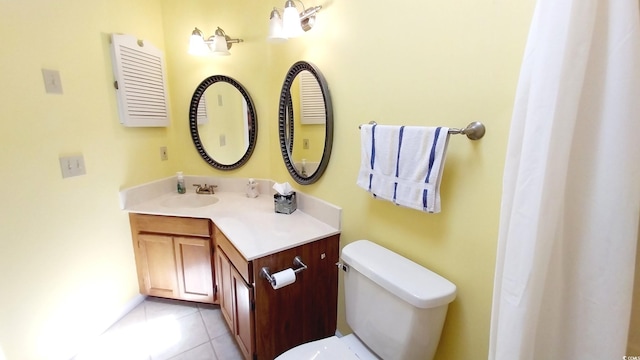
{"x": 283, "y": 278}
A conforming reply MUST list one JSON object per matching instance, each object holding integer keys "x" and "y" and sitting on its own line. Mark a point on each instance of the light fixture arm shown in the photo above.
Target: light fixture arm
{"x": 307, "y": 16}
{"x": 229, "y": 40}
{"x": 303, "y": 7}
{"x": 306, "y": 13}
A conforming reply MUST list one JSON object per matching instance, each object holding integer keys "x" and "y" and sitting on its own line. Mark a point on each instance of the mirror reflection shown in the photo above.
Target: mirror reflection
{"x": 309, "y": 109}
{"x": 223, "y": 122}
{"x": 306, "y": 123}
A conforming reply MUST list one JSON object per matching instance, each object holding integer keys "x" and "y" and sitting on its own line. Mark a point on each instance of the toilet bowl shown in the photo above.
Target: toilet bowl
{"x": 332, "y": 348}
{"x": 395, "y": 307}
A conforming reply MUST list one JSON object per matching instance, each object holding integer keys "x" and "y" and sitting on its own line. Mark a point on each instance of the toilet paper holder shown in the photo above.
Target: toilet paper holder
{"x": 265, "y": 273}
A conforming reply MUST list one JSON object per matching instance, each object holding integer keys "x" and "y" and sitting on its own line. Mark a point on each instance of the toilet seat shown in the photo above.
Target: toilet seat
{"x": 331, "y": 348}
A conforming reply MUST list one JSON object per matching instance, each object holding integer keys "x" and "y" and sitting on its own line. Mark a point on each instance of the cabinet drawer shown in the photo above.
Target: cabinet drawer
{"x": 170, "y": 225}
{"x": 239, "y": 262}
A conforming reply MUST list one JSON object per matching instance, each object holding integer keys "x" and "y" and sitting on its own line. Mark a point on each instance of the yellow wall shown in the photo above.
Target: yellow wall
{"x": 432, "y": 63}
{"x": 66, "y": 261}
{"x": 247, "y": 65}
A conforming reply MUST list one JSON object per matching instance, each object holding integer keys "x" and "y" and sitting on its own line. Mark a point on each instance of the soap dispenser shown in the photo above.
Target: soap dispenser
{"x": 252, "y": 189}
{"x": 180, "y": 186}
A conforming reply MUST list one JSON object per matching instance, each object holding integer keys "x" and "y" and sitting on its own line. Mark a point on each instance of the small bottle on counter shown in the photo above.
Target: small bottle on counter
{"x": 180, "y": 186}
{"x": 252, "y": 189}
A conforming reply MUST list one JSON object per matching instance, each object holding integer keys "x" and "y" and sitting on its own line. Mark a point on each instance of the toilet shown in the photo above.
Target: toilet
{"x": 395, "y": 307}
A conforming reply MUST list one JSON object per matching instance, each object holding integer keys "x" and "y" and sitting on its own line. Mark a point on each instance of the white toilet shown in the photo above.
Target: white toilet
{"x": 395, "y": 307}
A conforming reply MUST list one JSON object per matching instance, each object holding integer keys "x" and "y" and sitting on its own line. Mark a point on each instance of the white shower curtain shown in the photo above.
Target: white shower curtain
{"x": 571, "y": 194}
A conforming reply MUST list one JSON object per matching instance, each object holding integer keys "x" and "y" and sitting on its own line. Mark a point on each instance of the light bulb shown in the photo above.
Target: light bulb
{"x": 275, "y": 27}
{"x": 220, "y": 46}
{"x": 196, "y": 44}
{"x": 291, "y": 21}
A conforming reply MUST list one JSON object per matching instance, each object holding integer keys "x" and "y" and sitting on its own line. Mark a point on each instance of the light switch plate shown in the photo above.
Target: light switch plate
{"x": 52, "y": 82}
{"x": 72, "y": 166}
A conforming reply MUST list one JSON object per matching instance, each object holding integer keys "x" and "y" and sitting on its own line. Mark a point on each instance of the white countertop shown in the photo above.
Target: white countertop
{"x": 251, "y": 224}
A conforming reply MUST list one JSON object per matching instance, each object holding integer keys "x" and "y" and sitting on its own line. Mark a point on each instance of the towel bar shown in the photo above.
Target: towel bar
{"x": 474, "y": 130}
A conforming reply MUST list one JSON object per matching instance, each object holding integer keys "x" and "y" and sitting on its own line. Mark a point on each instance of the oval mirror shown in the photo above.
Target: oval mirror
{"x": 305, "y": 123}
{"x": 223, "y": 122}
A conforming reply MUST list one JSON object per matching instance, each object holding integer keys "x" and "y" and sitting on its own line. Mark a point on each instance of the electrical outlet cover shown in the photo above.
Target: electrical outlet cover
{"x": 164, "y": 155}
{"x": 52, "y": 82}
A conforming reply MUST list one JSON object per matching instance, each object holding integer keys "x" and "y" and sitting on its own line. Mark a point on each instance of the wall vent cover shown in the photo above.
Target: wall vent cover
{"x": 311, "y": 100}
{"x": 140, "y": 82}
{"x": 201, "y": 113}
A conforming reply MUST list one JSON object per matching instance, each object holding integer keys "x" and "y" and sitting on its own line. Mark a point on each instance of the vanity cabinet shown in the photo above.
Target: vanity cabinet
{"x": 267, "y": 322}
{"x": 191, "y": 259}
{"x": 173, "y": 256}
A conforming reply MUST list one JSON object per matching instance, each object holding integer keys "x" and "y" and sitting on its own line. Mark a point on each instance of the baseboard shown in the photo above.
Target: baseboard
{"x": 111, "y": 319}
{"x": 130, "y": 305}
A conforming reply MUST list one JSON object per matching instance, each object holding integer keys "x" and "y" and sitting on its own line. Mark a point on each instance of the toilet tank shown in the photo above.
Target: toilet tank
{"x": 395, "y": 306}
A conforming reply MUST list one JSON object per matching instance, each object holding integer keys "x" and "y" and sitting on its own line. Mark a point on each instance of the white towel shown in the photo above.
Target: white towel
{"x": 403, "y": 164}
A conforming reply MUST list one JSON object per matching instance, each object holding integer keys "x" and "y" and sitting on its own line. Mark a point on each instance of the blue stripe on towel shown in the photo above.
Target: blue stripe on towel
{"x": 432, "y": 158}
{"x": 373, "y": 152}
{"x": 395, "y": 185}
{"x": 373, "y": 145}
{"x": 424, "y": 199}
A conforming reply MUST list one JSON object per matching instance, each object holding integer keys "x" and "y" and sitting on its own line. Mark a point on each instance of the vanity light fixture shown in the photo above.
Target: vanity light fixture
{"x": 276, "y": 33}
{"x": 218, "y": 44}
{"x": 292, "y": 23}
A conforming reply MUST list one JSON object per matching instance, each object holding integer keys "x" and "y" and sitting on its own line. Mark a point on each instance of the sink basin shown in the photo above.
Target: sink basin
{"x": 189, "y": 201}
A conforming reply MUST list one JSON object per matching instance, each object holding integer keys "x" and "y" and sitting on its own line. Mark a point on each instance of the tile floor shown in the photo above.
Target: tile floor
{"x": 166, "y": 329}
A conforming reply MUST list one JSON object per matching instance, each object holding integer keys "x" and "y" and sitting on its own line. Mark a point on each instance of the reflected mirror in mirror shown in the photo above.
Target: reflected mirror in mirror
{"x": 223, "y": 122}
{"x": 306, "y": 123}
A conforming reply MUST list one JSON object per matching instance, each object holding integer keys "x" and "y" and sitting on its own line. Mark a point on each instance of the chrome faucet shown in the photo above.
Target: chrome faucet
{"x": 206, "y": 189}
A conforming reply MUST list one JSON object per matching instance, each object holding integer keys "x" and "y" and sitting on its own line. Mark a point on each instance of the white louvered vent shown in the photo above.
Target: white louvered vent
{"x": 311, "y": 101}
{"x": 201, "y": 113}
{"x": 140, "y": 82}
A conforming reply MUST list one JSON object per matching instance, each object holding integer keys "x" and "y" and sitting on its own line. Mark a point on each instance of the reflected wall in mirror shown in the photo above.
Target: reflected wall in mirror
{"x": 305, "y": 123}
{"x": 223, "y": 123}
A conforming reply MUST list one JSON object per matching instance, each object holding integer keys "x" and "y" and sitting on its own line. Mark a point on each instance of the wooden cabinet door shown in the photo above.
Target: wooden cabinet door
{"x": 225, "y": 289}
{"x": 243, "y": 329}
{"x": 303, "y": 311}
{"x": 193, "y": 264}
{"x": 157, "y": 269}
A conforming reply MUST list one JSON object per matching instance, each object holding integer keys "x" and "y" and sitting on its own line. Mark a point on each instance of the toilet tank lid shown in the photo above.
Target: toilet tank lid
{"x": 411, "y": 282}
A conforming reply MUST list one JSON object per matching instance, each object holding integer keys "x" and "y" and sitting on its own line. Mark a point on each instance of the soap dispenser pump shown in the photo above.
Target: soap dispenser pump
{"x": 180, "y": 186}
